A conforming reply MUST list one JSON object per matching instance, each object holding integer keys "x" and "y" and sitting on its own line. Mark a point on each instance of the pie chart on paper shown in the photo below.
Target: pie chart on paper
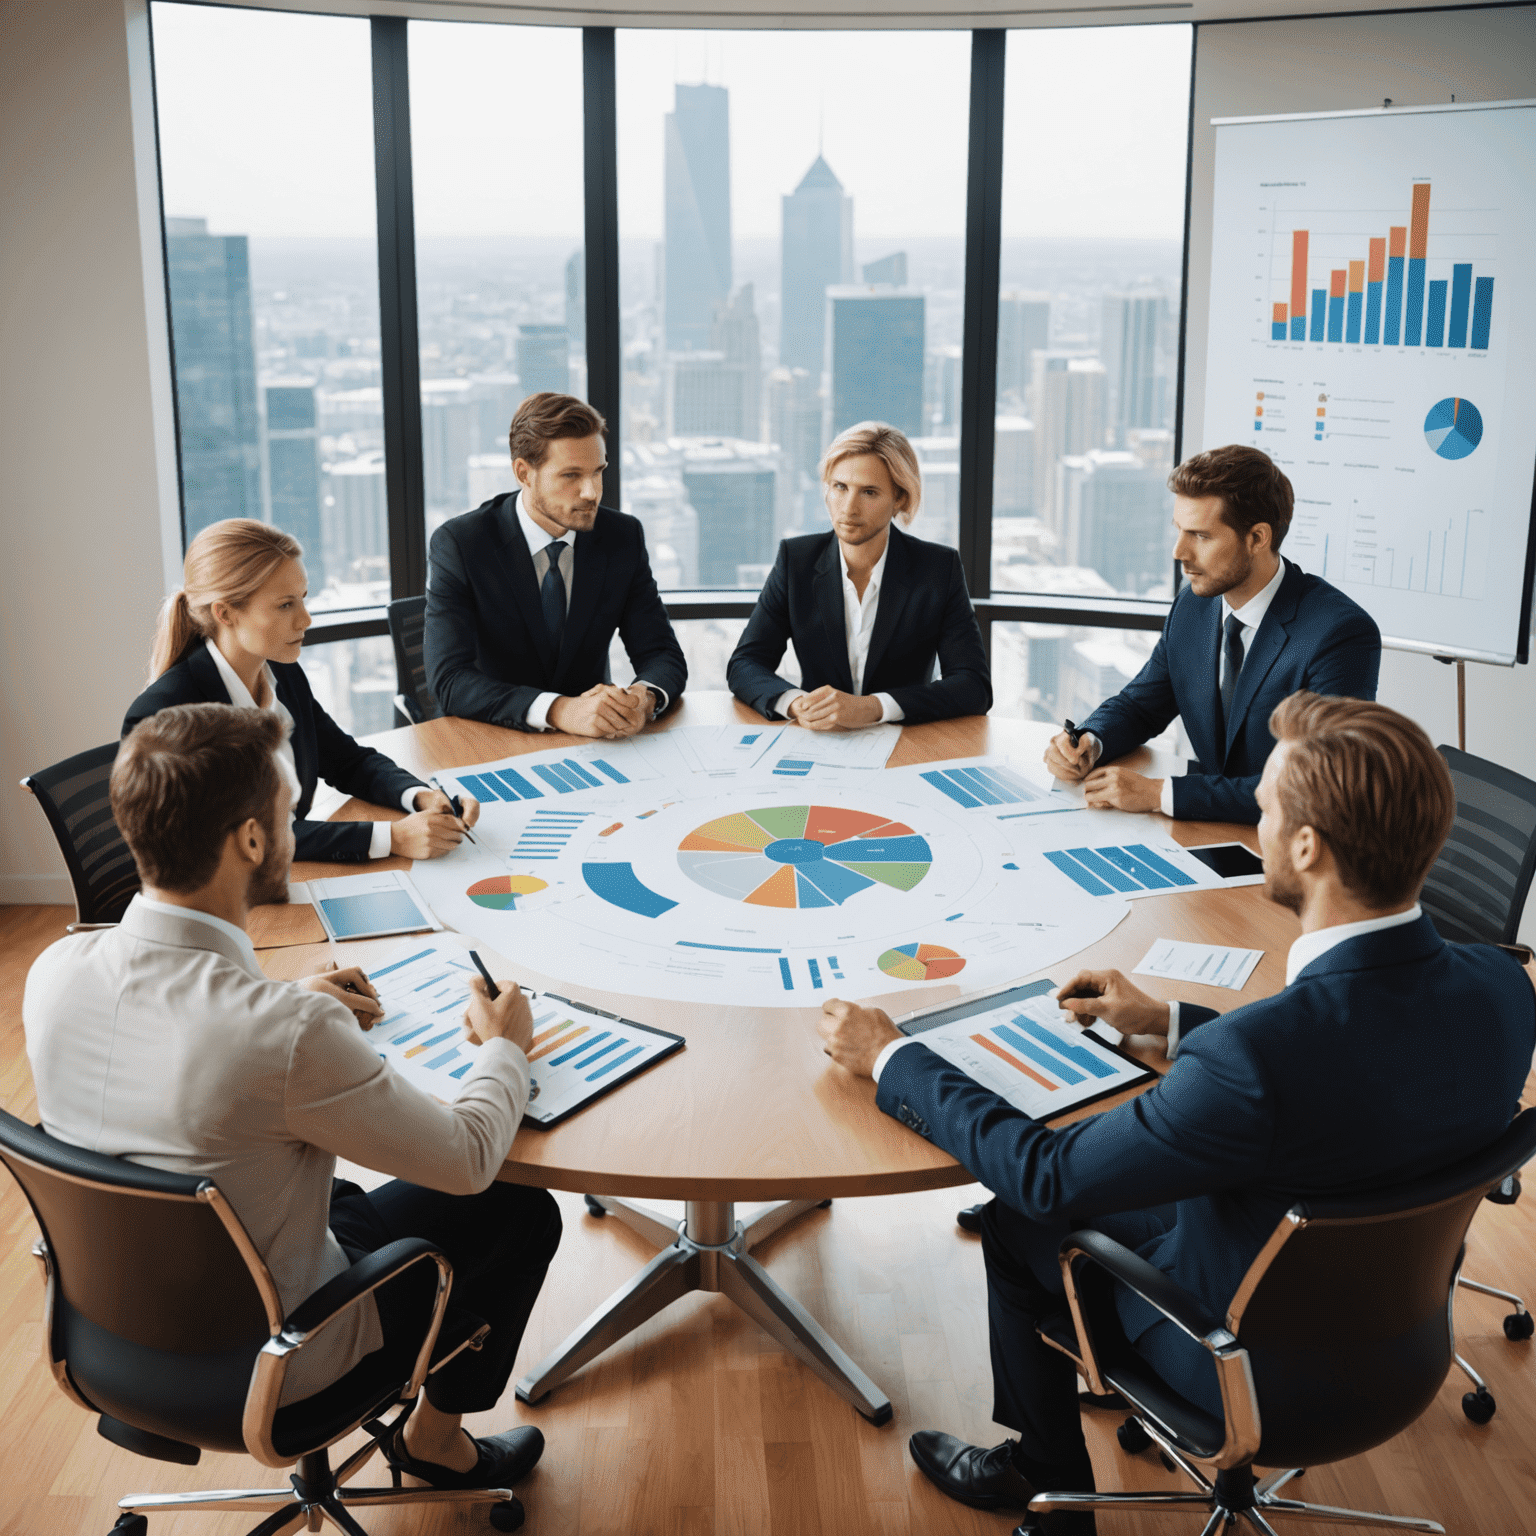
{"x": 1453, "y": 428}
{"x": 921, "y": 962}
{"x": 501, "y": 892}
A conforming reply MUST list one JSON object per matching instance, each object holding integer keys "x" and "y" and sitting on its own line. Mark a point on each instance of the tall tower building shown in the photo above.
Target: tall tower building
{"x": 1115, "y": 519}
{"x": 875, "y": 353}
{"x": 817, "y": 255}
{"x": 698, "y": 199}
{"x": 1070, "y": 404}
{"x": 891, "y": 270}
{"x": 293, "y": 468}
{"x": 1129, "y": 344}
{"x": 576, "y": 296}
{"x": 735, "y": 335}
{"x": 1023, "y": 327}
{"x": 543, "y": 359}
{"x": 215, "y": 361}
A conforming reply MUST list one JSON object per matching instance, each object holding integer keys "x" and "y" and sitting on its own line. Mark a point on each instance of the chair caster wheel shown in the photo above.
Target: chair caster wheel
{"x": 506, "y": 1516}
{"x": 131, "y": 1525}
{"x": 1132, "y": 1437}
{"x": 595, "y": 1207}
{"x": 1478, "y": 1406}
{"x": 1519, "y": 1325}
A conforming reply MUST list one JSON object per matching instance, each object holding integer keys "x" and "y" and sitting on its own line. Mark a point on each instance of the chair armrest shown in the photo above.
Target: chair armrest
{"x": 352, "y": 1285}
{"x": 1188, "y": 1312}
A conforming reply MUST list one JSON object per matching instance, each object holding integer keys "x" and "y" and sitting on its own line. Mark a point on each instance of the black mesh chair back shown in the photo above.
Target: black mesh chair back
{"x": 74, "y": 798}
{"x": 407, "y": 621}
{"x": 155, "y": 1312}
{"x": 1476, "y": 891}
{"x": 1346, "y": 1315}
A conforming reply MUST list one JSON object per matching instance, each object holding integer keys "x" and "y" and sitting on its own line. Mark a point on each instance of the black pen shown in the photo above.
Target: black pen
{"x": 490, "y": 984}
{"x": 1074, "y": 732}
{"x": 458, "y": 806}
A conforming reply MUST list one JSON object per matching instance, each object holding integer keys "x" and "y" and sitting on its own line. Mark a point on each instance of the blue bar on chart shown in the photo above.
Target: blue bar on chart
{"x": 524, "y": 789}
{"x": 1277, "y": 327}
{"x": 1482, "y": 313}
{"x": 1461, "y": 303}
{"x": 613, "y": 773}
{"x": 1026, "y": 1047}
{"x": 794, "y": 767}
{"x": 1434, "y": 324}
{"x": 1397, "y": 242}
{"x": 984, "y": 785}
{"x": 1375, "y": 272}
{"x": 618, "y": 1061}
{"x": 1298, "y": 301}
{"x": 1069, "y": 866}
{"x": 1336, "y": 304}
{"x": 1103, "y": 871}
{"x": 452, "y": 1054}
{"x": 1356, "y": 305}
{"x": 579, "y": 1050}
{"x": 786, "y": 974}
{"x": 1319, "y": 313}
{"x": 815, "y": 971}
{"x": 1067, "y": 1051}
{"x": 547, "y": 833}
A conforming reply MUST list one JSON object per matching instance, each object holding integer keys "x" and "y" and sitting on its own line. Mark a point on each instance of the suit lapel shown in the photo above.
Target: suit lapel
{"x": 1387, "y": 948}
{"x": 517, "y": 567}
{"x": 1265, "y": 650}
{"x": 589, "y": 570}
{"x": 203, "y": 670}
{"x": 1204, "y": 725}
{"x": 305, "y": 738}
{"x": 895, "y": 585}
{"x": 827, "y": 584}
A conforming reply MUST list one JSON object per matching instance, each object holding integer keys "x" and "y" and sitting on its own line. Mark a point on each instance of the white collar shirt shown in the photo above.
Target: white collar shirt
{"x": 1251, "y": 614}
{"x": 237, "y": 936}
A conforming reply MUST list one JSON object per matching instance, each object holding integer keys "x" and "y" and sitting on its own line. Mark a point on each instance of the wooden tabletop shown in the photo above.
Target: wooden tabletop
{"x": 752, "y": 1109}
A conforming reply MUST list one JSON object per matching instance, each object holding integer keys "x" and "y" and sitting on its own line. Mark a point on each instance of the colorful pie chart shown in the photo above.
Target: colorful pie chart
{"x": 1453, "y": 428}
{"x": 921, "y": 962}
{"x": 501, "y": 891}
{"x": 802, "y": 855}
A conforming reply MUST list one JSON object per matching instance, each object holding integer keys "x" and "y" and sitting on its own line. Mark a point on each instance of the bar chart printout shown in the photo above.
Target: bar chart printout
{"x": 1028, "y": 1054}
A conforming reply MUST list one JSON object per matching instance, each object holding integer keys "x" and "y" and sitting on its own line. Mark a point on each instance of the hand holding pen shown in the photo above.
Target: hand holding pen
{"x": 465, "y": 808}
{"x": 1071, "y": 753}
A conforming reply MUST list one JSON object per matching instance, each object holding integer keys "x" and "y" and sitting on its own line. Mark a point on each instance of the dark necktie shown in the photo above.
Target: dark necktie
{"x": 1232, "y": 656}
{"x": 552, "y": 593}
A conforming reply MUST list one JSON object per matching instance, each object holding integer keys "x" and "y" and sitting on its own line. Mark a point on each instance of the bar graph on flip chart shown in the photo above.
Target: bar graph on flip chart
{"x": 1372, "y": 313}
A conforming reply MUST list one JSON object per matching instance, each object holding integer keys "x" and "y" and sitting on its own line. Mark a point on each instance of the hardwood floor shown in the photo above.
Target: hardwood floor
{"x": 696, "y": 1425}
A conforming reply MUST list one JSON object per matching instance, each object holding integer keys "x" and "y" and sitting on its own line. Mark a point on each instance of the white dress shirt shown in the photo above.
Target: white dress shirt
{"x": 160, "y": 1040}
{"x": 1309, "y": 947}
{"x": 858, "y": 629}
{"x": 379, "y": 841}
{"x": 539, "y": 541}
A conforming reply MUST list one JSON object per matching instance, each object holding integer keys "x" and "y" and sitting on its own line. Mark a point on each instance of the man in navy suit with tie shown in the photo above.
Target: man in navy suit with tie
{"x": 1389, "y": 1054}
{"x": 1246, "y": 630}
{"x": 525, "y": 593}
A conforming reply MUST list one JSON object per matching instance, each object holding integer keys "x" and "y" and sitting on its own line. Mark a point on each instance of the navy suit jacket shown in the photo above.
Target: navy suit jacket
{"x": 1313, "y": 637}
{"x": 1390, "y": 1056}
{"x": 321, "y": 750}
{"x": 488, "y": 653}
{"x": 924, "y": 615}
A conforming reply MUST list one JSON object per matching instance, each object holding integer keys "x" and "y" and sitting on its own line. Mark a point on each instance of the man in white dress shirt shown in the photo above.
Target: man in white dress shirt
{"x": 161, "y": 1040}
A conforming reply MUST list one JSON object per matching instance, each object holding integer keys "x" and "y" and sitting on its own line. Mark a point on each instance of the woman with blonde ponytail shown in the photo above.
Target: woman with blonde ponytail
{"x": 232, "y": 635}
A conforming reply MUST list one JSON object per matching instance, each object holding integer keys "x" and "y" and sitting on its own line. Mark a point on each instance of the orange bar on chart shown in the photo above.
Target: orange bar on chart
{"x": 1280, "y": 317}
{"x": 554, "y": 1045}
{"x": 1298, "y": 274}
{"x": 1357, "y": 277}
{"x": 1336, "y": 284}
{"x": 1418, "y": 222}
{"x": 1397, "y": 237}
{"x": 1013, "y": 1061}
{"x": 1378, "y": 264}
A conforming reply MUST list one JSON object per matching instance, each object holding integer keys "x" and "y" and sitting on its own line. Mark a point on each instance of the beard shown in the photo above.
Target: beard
{"x": 1282, "y": 884}
{"x": 269, "y": 880}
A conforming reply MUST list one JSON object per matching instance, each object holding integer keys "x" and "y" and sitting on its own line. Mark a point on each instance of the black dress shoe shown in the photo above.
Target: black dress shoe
{"x": 969, "y": 1220}
{"x": 503, "y": 1459}
{"x": 969, "y": 1474}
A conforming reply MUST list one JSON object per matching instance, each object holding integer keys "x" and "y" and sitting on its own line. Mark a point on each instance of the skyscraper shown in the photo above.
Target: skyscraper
{"x": 543, "y": 358}
{"x": 735, "y": 335}
{"x": 1115, "y": 519}
{"x": 576, "y": 296}
{"x": 1023, "y": 327}
{"x": 817, "y": 255}
{"x": 215, "y": 361}
{"x": 293, "y": 468}
{"x": 891, "y": 270}
{"x": 731, "y": 487}
{"x": 875, "y": 350}
{"x": 1069, "y": 394}
{"x": 698, "y": 208}
{"x": 705, "y": 395}
{"x": 1129, "y": 345}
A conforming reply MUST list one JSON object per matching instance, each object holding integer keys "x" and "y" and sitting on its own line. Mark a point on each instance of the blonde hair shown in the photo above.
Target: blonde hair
{"x": 893, "y": 450}
{"x": 228, "y": 562}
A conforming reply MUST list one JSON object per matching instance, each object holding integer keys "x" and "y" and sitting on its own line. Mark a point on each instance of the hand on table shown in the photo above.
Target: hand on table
{"x": 603, "y": 710}
{"x": 1068, "y": 762}
{"x": 1122, "y": 789}
{"x": 427, "y": 834}
{"x": 507, "y": 1018}
{"x": 436, "y": 800}
{"x": 829, "y": 709}
{"x": 351, "y": 988}
{"x": 855, "y": 1035}
{"x": 1093, "y": 995}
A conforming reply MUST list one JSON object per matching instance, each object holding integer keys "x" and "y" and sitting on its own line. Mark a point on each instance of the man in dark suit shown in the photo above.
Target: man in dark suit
{"x": 1246, "y": 630}
{"x": 1341, "y": 1082}
{"x": 869, "y": 609}
{"x": 525, "y": 593}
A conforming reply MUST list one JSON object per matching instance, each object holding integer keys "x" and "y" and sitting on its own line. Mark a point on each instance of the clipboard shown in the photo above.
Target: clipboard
{"x": 555, "y": 1042}
{"x": 1044, "y": 1068}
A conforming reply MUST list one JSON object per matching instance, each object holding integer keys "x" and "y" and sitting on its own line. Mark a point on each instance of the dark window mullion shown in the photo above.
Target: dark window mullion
{"x": 983, "y": 248}
{"x": 400, "y": 353}
{"x": 1189, "y": 182}
{"x": 604, "y": 344}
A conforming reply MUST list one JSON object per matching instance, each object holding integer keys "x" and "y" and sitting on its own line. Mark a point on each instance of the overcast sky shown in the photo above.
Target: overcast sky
{"x": 266, "y": 125}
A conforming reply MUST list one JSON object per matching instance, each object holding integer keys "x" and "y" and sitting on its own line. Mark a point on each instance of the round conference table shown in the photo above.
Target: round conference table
{"x": 753, "y": 1109}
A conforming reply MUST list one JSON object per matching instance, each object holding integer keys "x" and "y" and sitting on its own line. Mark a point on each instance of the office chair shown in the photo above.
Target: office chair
{"x": 1475, "y": 894}
{"x": 74, "y": 798}
{"x": 1338, "y": 1338}
{"x": 162, "y": 1319}
{"x": 414, "y": 702}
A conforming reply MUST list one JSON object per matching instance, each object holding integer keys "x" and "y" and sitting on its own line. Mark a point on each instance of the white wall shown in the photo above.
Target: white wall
{"x": 81, "y": 470}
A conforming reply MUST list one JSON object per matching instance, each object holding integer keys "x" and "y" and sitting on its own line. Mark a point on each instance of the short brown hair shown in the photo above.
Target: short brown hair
{"x": 1252, "y": 487}
{"x": 184, "y": 779}
{"x": 891, "y": 447}
{"x": 543, "y": 417}
{"x": 1371, "y": 785}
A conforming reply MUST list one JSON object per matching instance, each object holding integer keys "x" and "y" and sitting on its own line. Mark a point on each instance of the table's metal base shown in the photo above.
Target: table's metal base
{"x": 708, "y": 1251}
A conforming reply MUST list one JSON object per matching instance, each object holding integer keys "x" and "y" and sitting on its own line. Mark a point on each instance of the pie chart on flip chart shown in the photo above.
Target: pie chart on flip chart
{"x": 501, "y": 892}
{"x": 921, "y": 962}
{"x": 1453, "y": 428}
{"x": 802, "y": 855}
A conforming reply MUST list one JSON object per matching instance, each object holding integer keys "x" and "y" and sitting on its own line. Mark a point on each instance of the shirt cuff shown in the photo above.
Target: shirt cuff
{"x": 378, "y": 847}
{"x": 408, "y": 799}
{"x": 657, "y": 690}
{"x": 1096, "y": 744}
{"x": 785, "y": 699}
{"x": 1173, "y": 1030}
{"x": 1165, "y": 801}
{"x": 537, "y": 718}
{"x": 889, "y": 708}
{"x": 887, "y": 1053}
